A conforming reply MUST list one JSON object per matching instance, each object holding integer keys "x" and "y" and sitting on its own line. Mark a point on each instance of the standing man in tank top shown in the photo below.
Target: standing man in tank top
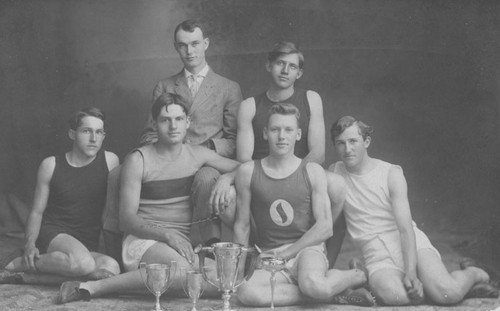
{"x": 62, "y": 231}
{"x": 402, "y": 263}
{"x": 288, "y": 198}
{"x": 285, "y": 66}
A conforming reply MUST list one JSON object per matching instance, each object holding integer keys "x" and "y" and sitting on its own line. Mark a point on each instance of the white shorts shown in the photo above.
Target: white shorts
{"x": 133, "y": 249}
{"x": 291, "y": 273}
{"x": 384, "y": 251}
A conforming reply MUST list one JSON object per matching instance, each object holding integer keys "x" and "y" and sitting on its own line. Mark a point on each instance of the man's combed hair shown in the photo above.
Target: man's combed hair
{"x": 285, "y": 48}
{"x": 285, "y": 109}
{"x": 76, "y": 120}
{"x": 165, "y": 100}
{"x": 190, "y": 25}
{"x": 341, "y": 124}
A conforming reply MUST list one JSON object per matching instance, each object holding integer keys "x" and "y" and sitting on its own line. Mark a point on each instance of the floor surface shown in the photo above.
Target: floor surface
{"x": 40, "y": 297}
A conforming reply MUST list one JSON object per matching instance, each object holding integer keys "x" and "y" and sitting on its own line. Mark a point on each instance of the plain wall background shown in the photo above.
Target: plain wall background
{"x": 424, "y": 74}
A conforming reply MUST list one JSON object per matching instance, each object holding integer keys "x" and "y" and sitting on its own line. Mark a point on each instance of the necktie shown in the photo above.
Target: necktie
{"x": 195, "y": 85}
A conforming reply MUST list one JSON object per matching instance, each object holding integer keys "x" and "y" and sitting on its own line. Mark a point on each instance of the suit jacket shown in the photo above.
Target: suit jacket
{"x": 212, "y": 111}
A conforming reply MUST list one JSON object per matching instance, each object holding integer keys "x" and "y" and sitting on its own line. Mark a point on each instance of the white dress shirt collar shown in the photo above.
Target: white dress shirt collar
{"x": 202, "y": 73}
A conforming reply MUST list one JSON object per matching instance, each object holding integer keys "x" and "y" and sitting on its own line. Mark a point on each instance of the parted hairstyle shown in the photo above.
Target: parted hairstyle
{"x": 76, "y": 120}
{"x": 346, "y": 121}
{"x": 165, "y": 100}
{"x": 190, "y": 25}
{"x": 285, "y": 48}
{"x": 285, "y": 109}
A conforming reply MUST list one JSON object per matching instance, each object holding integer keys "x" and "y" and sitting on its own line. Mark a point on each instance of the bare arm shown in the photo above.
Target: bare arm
{"x": 245, "y": 140}
{"x": 220, "y": 195}
{"x": 316, "y": 130}
{"x": 111, "y": 160}
{"x": 41, "y": 196}
{"x": 323, "y": 226}
{"x": 243, "y": 198}
{"x": 336, "y": 192}
{"x": 213, "y": 159}
{"x": 130, "y": 222}
{"x": 398, "y": 190}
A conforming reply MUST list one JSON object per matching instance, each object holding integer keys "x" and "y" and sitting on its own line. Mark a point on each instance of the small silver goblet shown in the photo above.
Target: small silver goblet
{"x": 193, "y": 286}
{"x": 157, "y": 278}
{"x": 273, "y": 265}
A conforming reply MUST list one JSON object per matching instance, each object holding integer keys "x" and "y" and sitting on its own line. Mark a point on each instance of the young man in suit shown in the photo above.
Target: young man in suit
{"x": 212, "y": 102}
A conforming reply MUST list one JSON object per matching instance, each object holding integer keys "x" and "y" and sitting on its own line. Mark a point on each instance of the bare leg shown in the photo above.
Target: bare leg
{"x": 105, "y": 267}
{"x": 257, "y": 291}
{"x": 131, "y": 282}
{"x": 441, "y": 286}
{"x": 65, "y": 256}
{"x": 317, "y": 282}
{"x": 388, "y": 287}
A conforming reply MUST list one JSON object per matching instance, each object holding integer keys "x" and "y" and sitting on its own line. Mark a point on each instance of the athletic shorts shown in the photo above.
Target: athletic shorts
{"x": 89, "y": 237}
{"x": 384, "y": 251}
{"x": 291, "y": 273}
{"x": 133, "y": 248}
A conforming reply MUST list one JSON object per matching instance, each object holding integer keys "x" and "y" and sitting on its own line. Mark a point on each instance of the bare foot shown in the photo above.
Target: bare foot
{"x": 471, "y": 265}
{"x": 480, "y": 274}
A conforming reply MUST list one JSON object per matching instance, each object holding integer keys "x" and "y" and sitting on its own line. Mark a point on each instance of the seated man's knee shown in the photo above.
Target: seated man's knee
{"x": 314, "y": 286}
{"x": 81, "y": 264}
{"x": 390, "y": 293}
{"x": 109, "y": 264}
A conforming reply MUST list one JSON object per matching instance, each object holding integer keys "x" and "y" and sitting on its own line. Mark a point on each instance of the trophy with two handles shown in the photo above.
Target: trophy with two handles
{"x": 228, "y": 260}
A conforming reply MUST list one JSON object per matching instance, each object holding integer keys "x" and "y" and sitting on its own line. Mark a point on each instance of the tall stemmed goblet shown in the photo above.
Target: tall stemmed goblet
{"x": 273, "y": 265}
{"x": 193, "y": 286}
{"x": 157, "y": 278}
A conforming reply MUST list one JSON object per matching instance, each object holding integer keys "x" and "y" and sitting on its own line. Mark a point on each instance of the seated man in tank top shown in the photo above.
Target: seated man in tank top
{"x": 402, "y": 263}
{"x": 155, "y": 206}
{"x": 288, "y": 199}
{"x": 285, "y": 66}
{"x": 62, "y": 231}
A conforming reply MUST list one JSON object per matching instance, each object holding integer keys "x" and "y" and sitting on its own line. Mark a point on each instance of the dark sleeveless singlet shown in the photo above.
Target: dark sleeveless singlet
{"x": 282, "y": 207}
{"x": 262, "y": 105}
{"x": 76, "y": 201}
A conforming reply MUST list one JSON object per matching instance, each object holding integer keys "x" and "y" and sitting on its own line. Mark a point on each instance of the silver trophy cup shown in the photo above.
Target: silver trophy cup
{"x": 157, "y": 278}
{"x": 228, "y": 258}
{"x": 273, "y": 265}
{"x": 193, "y": 286}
